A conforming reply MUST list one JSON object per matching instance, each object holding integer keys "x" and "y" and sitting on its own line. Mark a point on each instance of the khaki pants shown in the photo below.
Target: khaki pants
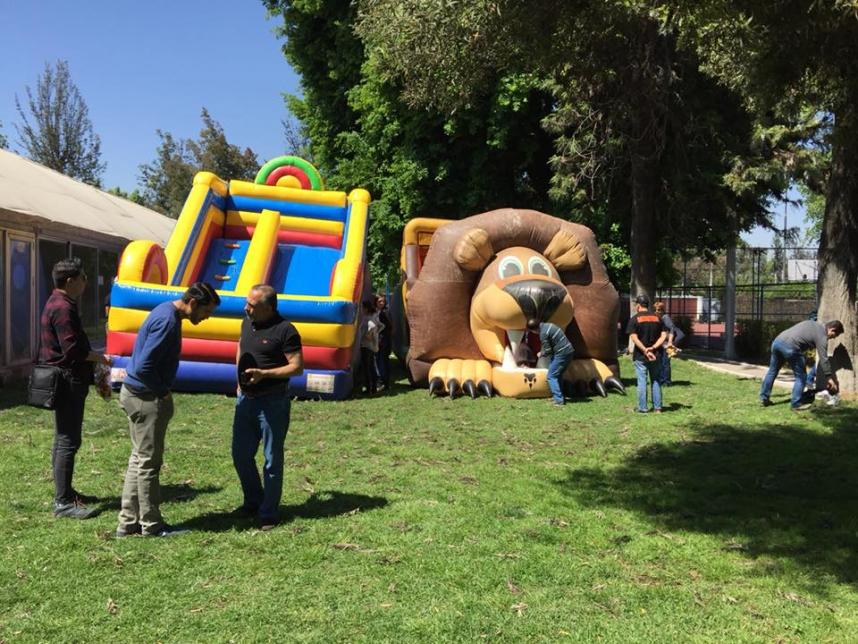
{"x": 141, "y": 496}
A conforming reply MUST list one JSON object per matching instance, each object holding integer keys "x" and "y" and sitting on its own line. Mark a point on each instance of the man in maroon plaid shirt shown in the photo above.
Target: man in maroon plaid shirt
{"x": 64, "y": 344}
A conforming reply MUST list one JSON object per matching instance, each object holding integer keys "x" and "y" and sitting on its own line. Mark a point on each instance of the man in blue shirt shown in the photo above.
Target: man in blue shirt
{"x": 556, "y": 346}
{"x": 148, "y": 403}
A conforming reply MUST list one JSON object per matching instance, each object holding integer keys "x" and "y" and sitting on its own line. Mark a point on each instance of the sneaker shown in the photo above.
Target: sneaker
{"x": 128, "y": 531}
{"x": 557, "y": 404}
{"x": 656, "y": 411}
{"x": 803, "y": 407}
{"x": 266, "y": 525}
{"x": 641, "y": 411}
{"x": 765, "y": 402}
{"x": 167, "y": 531}
{"x": 73, "y": 511}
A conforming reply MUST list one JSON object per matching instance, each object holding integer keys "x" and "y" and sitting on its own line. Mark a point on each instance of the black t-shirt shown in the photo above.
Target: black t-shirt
{"x": 649, "y": 327}
{"x": 264, "y": 346}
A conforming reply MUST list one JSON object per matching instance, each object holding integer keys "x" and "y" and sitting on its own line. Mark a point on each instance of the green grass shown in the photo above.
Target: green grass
{"x": 410, "y": 519}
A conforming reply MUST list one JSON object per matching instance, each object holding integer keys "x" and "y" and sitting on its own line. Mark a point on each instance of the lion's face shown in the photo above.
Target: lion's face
{"x": 519, "y": 284}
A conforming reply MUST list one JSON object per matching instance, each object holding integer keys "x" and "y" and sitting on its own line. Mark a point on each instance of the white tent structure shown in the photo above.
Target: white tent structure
{"x": 45, "y": 216}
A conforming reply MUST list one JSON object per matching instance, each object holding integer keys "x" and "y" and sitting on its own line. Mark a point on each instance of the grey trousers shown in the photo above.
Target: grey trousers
{"x": 148, "y": 418}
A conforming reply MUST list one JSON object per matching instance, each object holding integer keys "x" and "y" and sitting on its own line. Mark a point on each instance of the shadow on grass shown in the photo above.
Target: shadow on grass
{"x": 13, "y": 394}
{"x": 319, "y": 505}
{"x": 180, "y": 493}
{"x": 783, "y": 492}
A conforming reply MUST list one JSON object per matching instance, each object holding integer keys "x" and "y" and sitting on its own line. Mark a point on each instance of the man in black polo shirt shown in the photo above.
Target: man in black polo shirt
{"x": 269, "y": 353}
{"x": 647, "y": 333}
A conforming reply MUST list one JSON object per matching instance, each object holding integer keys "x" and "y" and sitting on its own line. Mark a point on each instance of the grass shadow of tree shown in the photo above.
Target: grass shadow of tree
{"x": 785, "y": 492}
{"x": 318, "y": 505}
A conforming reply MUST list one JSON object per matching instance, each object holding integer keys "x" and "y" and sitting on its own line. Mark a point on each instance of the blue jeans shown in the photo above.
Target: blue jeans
{"x": 556, "y": 368}
{"x": 782, "y": 353}
{"x": 264, "y": 419}
{"x": 664, "y": 378}
{"x": 653, "y": 368}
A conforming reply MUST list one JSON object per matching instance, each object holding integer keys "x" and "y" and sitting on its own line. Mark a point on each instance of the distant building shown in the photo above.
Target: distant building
{"x": 802, "y": 270}
{"x": 45, "y": 216}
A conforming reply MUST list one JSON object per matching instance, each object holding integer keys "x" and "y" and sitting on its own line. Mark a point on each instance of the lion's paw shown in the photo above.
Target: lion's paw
{"x": 586, "y": 375}
{"x": 450, "y": 376}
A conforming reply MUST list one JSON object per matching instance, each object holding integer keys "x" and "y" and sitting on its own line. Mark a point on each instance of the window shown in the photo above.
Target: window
{"x": 20, "y": 291}
{"x": 87, "y": 305}
{"x": 50, "y": 252}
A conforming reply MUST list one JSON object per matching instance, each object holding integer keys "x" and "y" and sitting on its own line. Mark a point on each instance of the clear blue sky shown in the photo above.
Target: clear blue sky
{"x": 142, "y": 66}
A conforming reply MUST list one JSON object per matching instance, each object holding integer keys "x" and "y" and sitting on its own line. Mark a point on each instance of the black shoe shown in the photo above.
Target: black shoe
{"x": 803, "y": 407}
{"x": 765, "y": 402}
{"x": 128, "y": 531}
{"x": 167, "y": 531}
{"x": 244, "y": 512}
{"x": 268, "y": 524}
{"x": 73, "y": 511}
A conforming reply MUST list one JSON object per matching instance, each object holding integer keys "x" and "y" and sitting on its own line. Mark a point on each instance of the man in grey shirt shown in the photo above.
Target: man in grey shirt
{"x": 790, "y": 346}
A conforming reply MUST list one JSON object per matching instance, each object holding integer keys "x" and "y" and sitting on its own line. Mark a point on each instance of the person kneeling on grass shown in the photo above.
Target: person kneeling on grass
{"x": 269, "y": 353}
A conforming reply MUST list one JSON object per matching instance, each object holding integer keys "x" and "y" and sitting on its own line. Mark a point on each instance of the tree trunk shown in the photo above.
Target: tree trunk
{"x": 645, "y": 183}
{"x": 838, "y": 249}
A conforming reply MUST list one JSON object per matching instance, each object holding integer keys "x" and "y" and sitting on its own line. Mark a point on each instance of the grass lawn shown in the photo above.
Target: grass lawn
{"x": 410, "y": 519}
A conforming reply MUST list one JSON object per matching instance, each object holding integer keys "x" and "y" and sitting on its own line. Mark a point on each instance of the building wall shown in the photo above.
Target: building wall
{"x": 28, "y": 251}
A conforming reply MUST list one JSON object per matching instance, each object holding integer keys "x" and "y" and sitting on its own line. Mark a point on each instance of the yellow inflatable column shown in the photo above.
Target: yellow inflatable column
{"x": 260, "y": 253}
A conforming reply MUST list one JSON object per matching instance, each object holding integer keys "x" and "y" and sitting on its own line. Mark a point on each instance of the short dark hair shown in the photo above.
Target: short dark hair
{"x": 642, "y": 300}
{"x": 836, "y": 325}
{"x": 202, "y": 292}
{"x": 65, "y": 269}
{"x": 269, "y": 295}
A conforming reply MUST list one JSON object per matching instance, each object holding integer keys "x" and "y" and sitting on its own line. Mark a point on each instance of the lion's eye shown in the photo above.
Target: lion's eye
{"x": 510, "y": 267}
{"x": 538, "y": 266}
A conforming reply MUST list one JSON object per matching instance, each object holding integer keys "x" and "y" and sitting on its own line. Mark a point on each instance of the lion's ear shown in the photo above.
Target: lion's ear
{"x": 566, "y": 251}
{"x": 474, "y": 250}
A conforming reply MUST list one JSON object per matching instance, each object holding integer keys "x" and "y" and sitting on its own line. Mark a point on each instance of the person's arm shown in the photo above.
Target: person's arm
{"x": 823, "y": 365}
{"x": 237, "y": 357}
{"x": 293, "y": 367}
{"x": 640, "y": 345}
{"x": 72, "y": 338}
{"x": 660, "y": 341}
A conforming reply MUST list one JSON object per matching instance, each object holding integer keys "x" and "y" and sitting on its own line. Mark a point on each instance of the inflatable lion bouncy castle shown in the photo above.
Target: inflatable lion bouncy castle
{"x": 471, "y": 286}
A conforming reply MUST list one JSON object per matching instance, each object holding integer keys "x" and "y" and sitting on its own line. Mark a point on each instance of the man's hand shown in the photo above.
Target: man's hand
{"x": 650, "y": 354}
{"x": 254, "y": 375}
{"x": 833, "y": 386}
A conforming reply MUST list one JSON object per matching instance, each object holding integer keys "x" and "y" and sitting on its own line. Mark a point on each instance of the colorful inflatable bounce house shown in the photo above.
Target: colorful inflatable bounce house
{"x": 470, "y": 287}
{"x": 283, "y": 229}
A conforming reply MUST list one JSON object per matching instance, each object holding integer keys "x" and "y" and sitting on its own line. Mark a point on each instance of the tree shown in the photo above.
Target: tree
{"x": 58, "y": 132}
{"x": 414, "y": 162}
{"x": 642, "y": 138}
{"x": 786, "y": 58}
{"x": 134, "y": 196}
{"x": 4, "y": 142}
{"x": 167, "y": 180}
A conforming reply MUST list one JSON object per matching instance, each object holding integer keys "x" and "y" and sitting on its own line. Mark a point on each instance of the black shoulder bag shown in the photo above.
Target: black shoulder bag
{"x": 42, "y": 389}
{"x": 43, "y": 385}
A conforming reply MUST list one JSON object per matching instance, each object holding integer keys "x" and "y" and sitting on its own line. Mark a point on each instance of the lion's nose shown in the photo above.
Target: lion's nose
{"x": 538, "y": 299}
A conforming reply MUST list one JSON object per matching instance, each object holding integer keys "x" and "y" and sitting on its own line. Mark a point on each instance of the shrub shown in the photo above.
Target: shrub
{"x": 754, "y": 337}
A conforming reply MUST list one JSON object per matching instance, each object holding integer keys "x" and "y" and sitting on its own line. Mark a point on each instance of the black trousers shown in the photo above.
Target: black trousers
{"x": 368, "y": 368}
{"x": 68, "y": 424}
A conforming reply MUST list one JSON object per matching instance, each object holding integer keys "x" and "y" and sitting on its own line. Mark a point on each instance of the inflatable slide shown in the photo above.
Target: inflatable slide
{"x": 283, "y": 229}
